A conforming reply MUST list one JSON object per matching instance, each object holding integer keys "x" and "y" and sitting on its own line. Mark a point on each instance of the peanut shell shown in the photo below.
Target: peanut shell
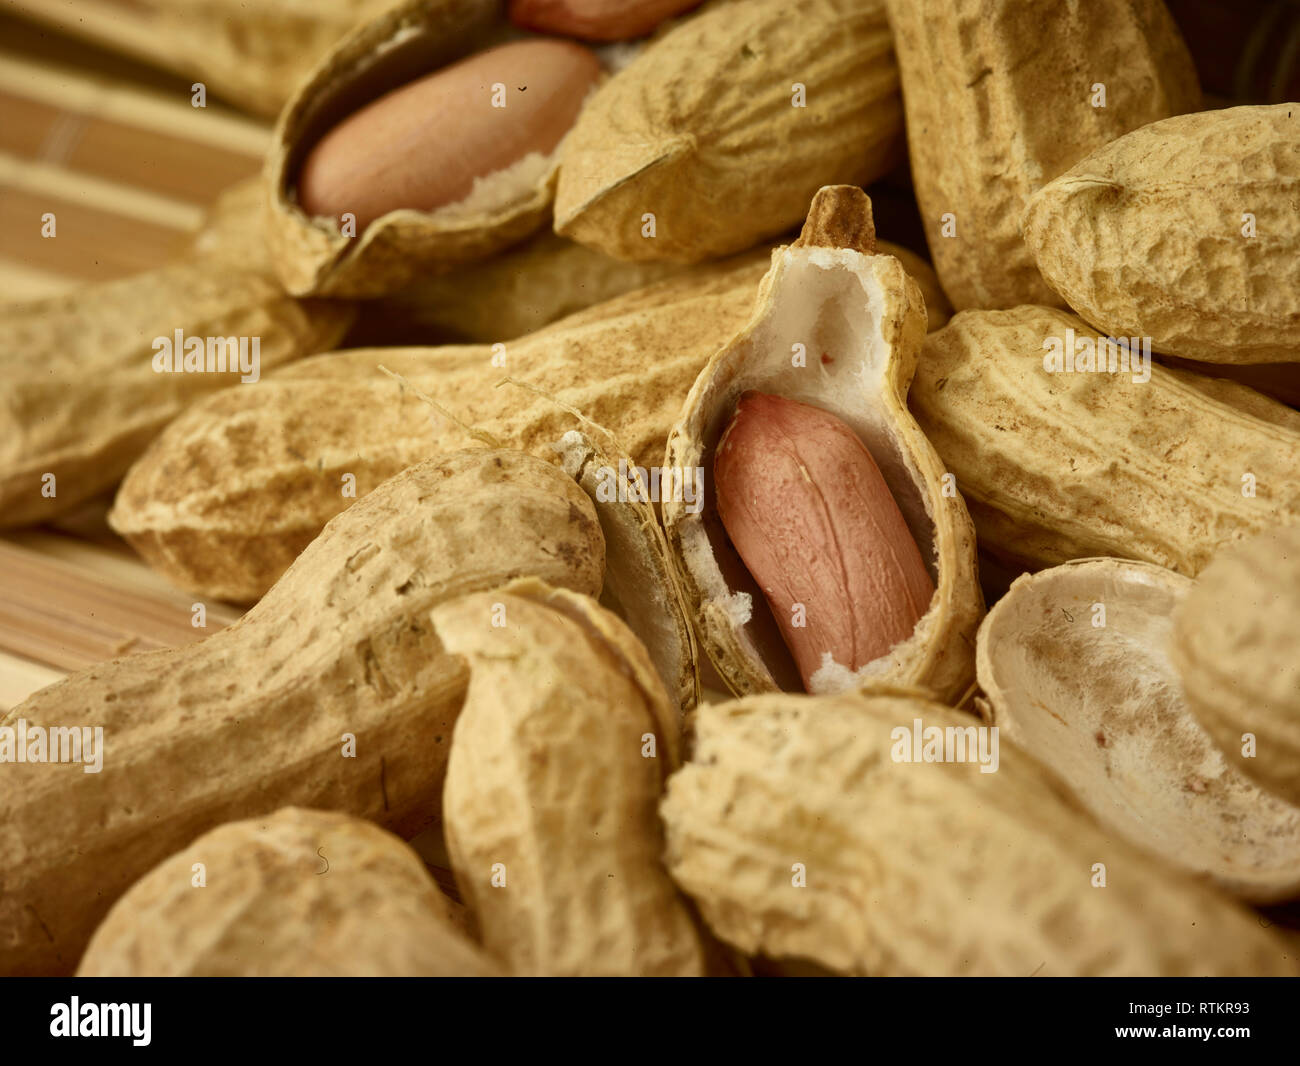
{"x": 268, "y": 909}
{"x": 859, "y": 319}
{"x": 82, "y": 398}
{"x": 255, "y": 716}
{"x": 1234, "y": 646}
{"x": 937, "y": 308}
{"x": 1147, "y": 236}
{"x": 999, "y": 96}
{"x": 519, "y": 291}
{"x": 642, "y": 585}
{"x": 314, "y": 256}
{"x": 1060, "y": 466}
{"x": 547, "y": 277}
{"x": 236, "y": 490}
{"x": 549, "y": 787}
{"x": 1075, "y": 664}
{"x": 924, "y": 868}
{"x": 703, "y": 129}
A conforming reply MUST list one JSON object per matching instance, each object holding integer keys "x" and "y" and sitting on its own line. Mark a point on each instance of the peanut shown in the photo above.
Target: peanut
{"x": 923, "y": 868}
{"x": 699, "y": 131}
{"x": 805, "y": 506}
{"x": 82, "y": 396}
{"x": 406, "y": 41}
{"x": 550, "y": 795}
{"x": 1075, "y": 663}
{"x": 424, "y": 145}
{"x": 257, "y": 715}
{"x": 235, "y": 491}
{"x": 1185, "y": 231}
{"x": 596, "y": 20}
{"x": 267, "y": 909}
{"x": 998, "y": 103}
{"x": 837, "y": 328}
{"x": 1058, "y": 466}
{"x": 1234, "y": 647}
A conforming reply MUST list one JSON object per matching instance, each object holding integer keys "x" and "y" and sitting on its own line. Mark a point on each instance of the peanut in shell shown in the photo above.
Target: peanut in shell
{"x": 1185, "y": 231}
{"x": 551, "y": 798}
{"x": 257, "y": 715}
{"x": 1234, "y": 647}
{"x": 225, "y": 502}
{"x": 1058, "y": 465}
{"x": 706, "y": 129}
{"x": 800, "y": 836}
{"x": 1001, "y": 97}
{"x": 266, "y": 908}
{"x": 858, "y": 319}
{"x": 83, "y": 399}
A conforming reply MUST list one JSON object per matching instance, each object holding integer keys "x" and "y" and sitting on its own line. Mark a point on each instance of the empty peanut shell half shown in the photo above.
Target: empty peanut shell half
{"x": 1075, "y": 666}
{"x": 787, "y": 593}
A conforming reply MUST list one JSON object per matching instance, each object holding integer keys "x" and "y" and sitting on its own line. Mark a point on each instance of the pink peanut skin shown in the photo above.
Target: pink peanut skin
{"x": 811, "y": 517}
{"x": 422, "y": 146}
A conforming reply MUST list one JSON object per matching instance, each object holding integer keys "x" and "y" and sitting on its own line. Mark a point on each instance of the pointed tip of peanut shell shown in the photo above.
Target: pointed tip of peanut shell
{"x": 839, "y": 217}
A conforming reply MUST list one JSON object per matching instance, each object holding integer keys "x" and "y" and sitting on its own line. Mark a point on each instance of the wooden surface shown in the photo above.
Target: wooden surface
{"x": 128, "y": 166}
{"x": 124, "y": 161}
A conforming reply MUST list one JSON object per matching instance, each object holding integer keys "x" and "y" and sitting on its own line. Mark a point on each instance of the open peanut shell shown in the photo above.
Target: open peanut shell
{"x": 860, "y": 319}
{"x": 313, "y": 255}
{"x": 1075, "y": 665}
{"x": 641, "y": 583}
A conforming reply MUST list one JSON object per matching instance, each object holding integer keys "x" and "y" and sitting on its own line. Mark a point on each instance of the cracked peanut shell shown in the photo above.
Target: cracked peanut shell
{"x": 313, "y": 255}
{"x": 642, "y": 586}
{"x": 859, "y": 319}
